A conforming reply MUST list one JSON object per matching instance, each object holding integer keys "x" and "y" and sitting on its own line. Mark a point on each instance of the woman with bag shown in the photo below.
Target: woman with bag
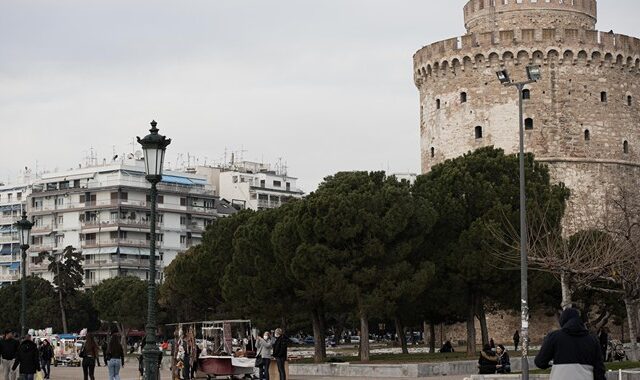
{"x": 46, "y": 354}
{"x": 28, "y": 358}
{"x": 115, "y": 358}
{"x": 89, "y": 355}
{"x": 263, "y": 355}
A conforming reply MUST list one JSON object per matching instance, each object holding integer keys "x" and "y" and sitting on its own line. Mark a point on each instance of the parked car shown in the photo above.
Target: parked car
{"x": 309, "y": 341}
{"x": 295, "y": 341}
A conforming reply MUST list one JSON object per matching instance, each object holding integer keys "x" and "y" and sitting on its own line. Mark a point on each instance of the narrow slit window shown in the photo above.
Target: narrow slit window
{"x": 603, "y": 96}
{"x": 526, "y": 94}
{"x": 625, "y": 147}
{"x": 528, "y": 123}
{"x": 463, "y": 97}
{"x": 437, "y": 104}
{"x": 629, "y": 100}
{"x": 478, "y": 132}
{"x": 587, "y": 135}
{"x": 433, "y": 152}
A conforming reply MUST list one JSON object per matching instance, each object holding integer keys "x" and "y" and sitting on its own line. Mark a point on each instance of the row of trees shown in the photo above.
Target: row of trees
{"x": 366, "y": 247}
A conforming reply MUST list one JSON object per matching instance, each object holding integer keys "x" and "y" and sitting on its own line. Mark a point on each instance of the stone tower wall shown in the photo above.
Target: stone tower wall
{"x": 488, "y": 15}
{"x": 577, "y": 66}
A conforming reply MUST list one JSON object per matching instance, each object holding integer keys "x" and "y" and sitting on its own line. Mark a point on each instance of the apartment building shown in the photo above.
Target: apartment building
{"x": 13, "y": 200}
{"x": 255, "y": 186}
{"x": 104, "y": 211}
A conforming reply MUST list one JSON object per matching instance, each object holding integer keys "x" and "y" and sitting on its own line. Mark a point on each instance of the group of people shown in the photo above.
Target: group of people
{"x": 113, "y": 357}
{"x": 21, "y": 358}
{"x": 494, "y": 359}
{"x": 269, "y": 348}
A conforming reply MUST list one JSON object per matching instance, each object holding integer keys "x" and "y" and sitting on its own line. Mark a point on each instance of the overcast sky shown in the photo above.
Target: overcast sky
{"x": 324, "y": 84}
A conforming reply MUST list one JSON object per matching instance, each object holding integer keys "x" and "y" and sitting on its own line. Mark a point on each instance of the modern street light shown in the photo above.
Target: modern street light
{"x": 24, "y": 229}
{"x": 154, "y": 146}
{"x": 533, "y": 74}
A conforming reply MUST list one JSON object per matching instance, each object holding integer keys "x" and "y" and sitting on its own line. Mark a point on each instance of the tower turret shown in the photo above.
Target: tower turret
{"x": 490, "y": 15}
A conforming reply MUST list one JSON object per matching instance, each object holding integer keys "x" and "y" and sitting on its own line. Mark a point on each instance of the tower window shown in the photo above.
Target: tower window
{"x": 587, "y": 135}
{"x": 629, "y": 100}
{"x": 528, "y": 123}
{"x": 463, "y": 97}
{"x": 526, "y": 94}
{"x": 433, "y": 152}
{"x": 625, "y": 147}
{"x": 478, "y": 132}
{"x": 437, "y": 104}
{"x": 603, "y": 96}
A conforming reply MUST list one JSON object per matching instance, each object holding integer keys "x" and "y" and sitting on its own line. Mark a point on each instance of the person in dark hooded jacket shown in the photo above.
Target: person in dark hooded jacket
{"x": 575, "y": 353}
{"x": 28, "y": 358}
{"x": 488, "y": 361}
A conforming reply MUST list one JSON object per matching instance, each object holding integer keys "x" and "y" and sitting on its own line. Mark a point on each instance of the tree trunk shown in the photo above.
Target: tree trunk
{"x": 122, "y": 330}
{"x": 633, "y": 332}
{"x": 63, "y": 313}
{"x": 401, "y": 335}
{"x": 364, "y": 337}
{"x": 317, "y": 320}
{"x": 471, "y": 330}
{"x": 567, "y": 293}
{"x": 482, "y": 317}
{"x": 432, "y": 338}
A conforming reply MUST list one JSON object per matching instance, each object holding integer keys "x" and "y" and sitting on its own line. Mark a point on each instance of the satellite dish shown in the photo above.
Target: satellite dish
{"x": 138, "y": 154}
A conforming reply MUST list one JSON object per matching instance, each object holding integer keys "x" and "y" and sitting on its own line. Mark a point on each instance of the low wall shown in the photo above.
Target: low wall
{"x": 412, "y": 370}
{"x": 611, "y": 375}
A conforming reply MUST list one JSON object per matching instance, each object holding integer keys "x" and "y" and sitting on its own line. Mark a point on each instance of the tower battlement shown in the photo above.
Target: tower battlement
{"x": 487, "y": 15}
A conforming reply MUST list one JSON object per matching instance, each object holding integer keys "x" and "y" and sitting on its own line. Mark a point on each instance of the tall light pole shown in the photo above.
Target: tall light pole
{"x": 24, "y": 229}
{"x": 154, "y": 146}
{"x": 533, "y": 74}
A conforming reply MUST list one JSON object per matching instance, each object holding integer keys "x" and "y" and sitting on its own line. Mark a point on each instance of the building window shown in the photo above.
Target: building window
{"x": 603, "y": 96}
{"x": 18, "y": 195}
{"x": 59, "y": 201}
{"x": 463, "y": 97}
{"x": 478, "y": 132}
{"x": 183, "y": 201}
{"x": 629, "y": 100}
{"x": 277, "y": 184}
{"x": 235, "y": 179}
{"x": 433, "y": 152}
{"x": 262, "y": 183}
{"x": 526, "y": 94}
{"x": 183, "y": 239}
{"x": 437, "y": 104}
{"x": 587, "y": 135}
{"x": 625, "y": 147}
{"x": 60, "y": 220}
{"x": 183, "y": 220}
{"x": 528, "y": 123}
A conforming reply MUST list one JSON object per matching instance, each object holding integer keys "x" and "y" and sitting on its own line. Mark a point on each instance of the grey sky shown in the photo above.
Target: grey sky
{"x": 325, "y": 84}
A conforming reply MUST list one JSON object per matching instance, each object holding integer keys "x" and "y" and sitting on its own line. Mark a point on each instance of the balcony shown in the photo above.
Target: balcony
{"x": 41, "y": 230}
{"x": 9, "y": 277}
{"x": 133, "y": 223}
{"x": 115, "y": 263}
{"x": 40, "y": 247}
{"x": 9, "y": 239}
{"x": 117, "y": 242}
{"x": 8, "y": 220}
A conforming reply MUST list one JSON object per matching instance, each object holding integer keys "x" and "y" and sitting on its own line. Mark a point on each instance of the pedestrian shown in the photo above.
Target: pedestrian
{"x": 9, "y": 349}
{"x": 115, "y": 357}
{"x": 103, "y": 347}
{"x": 141, "y": 359}
{"x": 194, "y": 366}
{"x": 487, "y": 361}
{"x": 504, "y": 363}
{"x": 90, "y": 355}
{"x": 575, "y": 353}
{"x": 603, "y": 339}
{"x": 264, "y": 345}
{"x": 279, "y": 353}
{"x": 46, "y": 354}
{"x": 492, "y": 344}
{"x": 28, "y": 358}
{"x": 516, "y": 340}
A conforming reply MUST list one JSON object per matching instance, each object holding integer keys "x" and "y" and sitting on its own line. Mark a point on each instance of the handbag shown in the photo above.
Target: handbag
{"x": 259, "y": 361}
{"x": 39, "y": 376}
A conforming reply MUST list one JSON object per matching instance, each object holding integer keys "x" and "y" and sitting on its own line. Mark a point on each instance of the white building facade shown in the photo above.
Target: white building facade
{"x": 104, "y": 211}
{"x": 13, "y": 201}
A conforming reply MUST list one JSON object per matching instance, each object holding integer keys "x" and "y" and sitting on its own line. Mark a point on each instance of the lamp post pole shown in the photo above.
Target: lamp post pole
{"x": 154, "y": 146}
{"x": 533, "y": 72}
{"x": 24, "y": 229}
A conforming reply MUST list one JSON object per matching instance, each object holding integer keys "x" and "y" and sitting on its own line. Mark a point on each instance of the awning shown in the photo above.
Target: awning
{"x": 134, "y": 251}
{"x": 77, "y": 176}
{"x": 14, "y": 266}
{"x": 11, "y": 208}
{"x": 100, "y": 251}
{"x": 176, "y": 180}
{"x": 7, "y": 249}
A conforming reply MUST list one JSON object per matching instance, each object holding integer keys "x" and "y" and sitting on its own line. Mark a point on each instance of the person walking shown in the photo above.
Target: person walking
{"x": 115, "y": 358}
{"x": 575, "y": 353}
{"x": 8, "y": 349}
{"x": 504, "y": 363}
{"x": 603, "y": 339}
{"x": 516, "y": 340}
{"x": 264, "y": 345}
{"x": 90, "y": 355}
{"x": 279, "y": 353}
{"x": 46, "y": 355}
{"x": 27, "y": 358}
{"x": 103, "y": 347}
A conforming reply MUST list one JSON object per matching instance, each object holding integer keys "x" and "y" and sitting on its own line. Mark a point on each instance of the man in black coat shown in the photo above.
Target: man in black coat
{"x": 8, "y": 349}
{"x": 575, "y": 353}
{"x": 27, "y": 358}
{"x": 280, "y": 352}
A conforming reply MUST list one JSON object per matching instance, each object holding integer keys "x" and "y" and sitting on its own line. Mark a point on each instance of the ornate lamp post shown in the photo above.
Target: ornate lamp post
{"x": 533, "y": 74}
{"x": 154, "y": 146}
{"x": 24, "y": 229}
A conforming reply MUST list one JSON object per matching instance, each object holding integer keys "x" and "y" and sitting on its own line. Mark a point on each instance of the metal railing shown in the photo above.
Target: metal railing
{"x": 114, "y": 242}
